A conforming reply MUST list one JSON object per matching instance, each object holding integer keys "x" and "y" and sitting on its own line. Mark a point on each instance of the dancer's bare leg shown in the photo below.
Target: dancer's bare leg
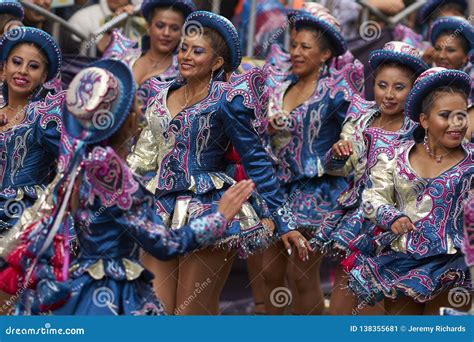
{"x": 257, "y": 281}
{"x": 403, "y": 306}
{"x": 307, "y": 281}
{"x": 223, "y": 274}
{"x": 275, "y": 262}
{"x": 199, "y": 275}
{"x": 343, "y": 301}
{"x": 165, "y": 283}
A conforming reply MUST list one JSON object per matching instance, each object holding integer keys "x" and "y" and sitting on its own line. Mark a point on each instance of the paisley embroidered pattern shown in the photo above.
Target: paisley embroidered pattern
{"x": 109, "y": 179}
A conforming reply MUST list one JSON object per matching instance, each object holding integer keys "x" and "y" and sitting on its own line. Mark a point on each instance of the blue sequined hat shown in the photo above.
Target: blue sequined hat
{"x": 456, "y": 24}
{"x": 199, "y": 19}
{"x": 41, "y": 39}
{"x": 185, "y": 6}
{"x": 425, "y": 12}
{"x": 98, "y": 101}
{"x": 12, "y": 7}
{"x": 398, "y": 52}
{"x": 430, "y": 80}
{"x": 329, "y": 27}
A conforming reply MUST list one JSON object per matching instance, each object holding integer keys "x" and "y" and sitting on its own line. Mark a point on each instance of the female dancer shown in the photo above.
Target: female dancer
{"x": 189, "y": 127}
{"x": 30, "y": 131}
{"x": 30, "y": 134}
{"x": 157, "y": 61}
{"x": 111, "y": 217}
{"x": 417, "y": 199}
{"x": 453, "y": 39}
{"x": 306, "y": 113}
{"x": 368, "y": 129}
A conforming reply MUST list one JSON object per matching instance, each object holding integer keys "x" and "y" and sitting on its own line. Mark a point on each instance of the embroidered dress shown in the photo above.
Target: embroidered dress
{"x": 28, "y": 153}
{"x": 369, "y": 145}
{"x": 427, "y": 260}
{"x": 304, "y": 135}
{"x": 188, "y": 153}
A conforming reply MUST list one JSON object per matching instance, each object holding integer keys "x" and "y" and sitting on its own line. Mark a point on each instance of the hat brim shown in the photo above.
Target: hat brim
{"x": 335, "y": 38}
{"x": 427, "y": 10}
{"x": 93, "y": 134}
{"x": 149, "y": 6}
{"x": 13, "y": 8}
{"x": 224, "y": 28}
{"x": 450, "y": 24}
{"x": 41, "y": 39}
{"x": 422, "y": 88}
{"x": 378, "y": 57}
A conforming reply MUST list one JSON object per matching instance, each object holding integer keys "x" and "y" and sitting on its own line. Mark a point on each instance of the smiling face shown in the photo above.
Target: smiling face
{"x": 446, "y": 120}
{"x": 449, "y": 52}
{"x": 165, "y": 29}
{"x": 392, "y": 85}
{"x": 306, "y": 54}
{"x": 197, "y": 59}
{"x": 24, "y": 70}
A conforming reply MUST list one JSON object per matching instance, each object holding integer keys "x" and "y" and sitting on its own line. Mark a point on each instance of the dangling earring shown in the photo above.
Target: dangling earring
{"x": 210, "y": 81}
{"x": 425, "y": 139}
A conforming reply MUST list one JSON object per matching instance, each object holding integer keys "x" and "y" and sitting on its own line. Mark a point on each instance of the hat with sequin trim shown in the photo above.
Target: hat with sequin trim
{"x": 185, "y": 6}
{"x": 98, "y": 101}
{"x": 328, "y": 25}
{"x": 195, "y": 23}
{"x": 458, "y": 25}
{"x": 430, "y": 80}
{"x": 398, "y": 52}
{"x": 41, "y": 39}
{"x": 426, "y": 11}
{"x": 12, "y": 7}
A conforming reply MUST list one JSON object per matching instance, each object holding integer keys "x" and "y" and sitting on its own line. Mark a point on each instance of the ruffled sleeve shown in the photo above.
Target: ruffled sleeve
{"x": 245, "y": 99}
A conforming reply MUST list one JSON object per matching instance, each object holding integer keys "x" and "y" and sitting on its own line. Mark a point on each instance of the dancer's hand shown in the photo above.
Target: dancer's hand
{"x": 3, "y": 119}
{"x": 402, "y": 225}
{"x": 296, "y": 238}
{"x": 342, "y": 149}
{"x": 232, "y": 200}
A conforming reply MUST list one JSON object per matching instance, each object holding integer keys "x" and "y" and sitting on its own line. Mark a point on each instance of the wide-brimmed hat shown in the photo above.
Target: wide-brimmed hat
{"x": 458, "y": 25}
{"x": 12, "y": 7}
{"x": 196, "y": 21}
{"x": 398, "y": 52}
{"x": 41, "y": 39}
{"x": 98, "y": 101}
{"x": 425, "y": 12}
{"x": 328, "y": 25}
{"x": 185, "y": 6}
{"x": 430, "y": 80}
